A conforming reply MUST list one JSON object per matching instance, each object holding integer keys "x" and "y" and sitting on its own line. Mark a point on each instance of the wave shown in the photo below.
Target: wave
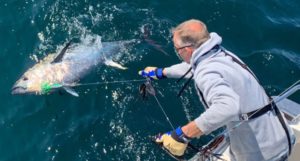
{"x": 291, "y": 56}
{"x": 285, "y": 20}
{"x": 282, "y": 12}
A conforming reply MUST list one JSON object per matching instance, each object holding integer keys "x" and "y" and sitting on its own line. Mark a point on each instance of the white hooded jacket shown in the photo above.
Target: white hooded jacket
{"x": 229, "y": 90}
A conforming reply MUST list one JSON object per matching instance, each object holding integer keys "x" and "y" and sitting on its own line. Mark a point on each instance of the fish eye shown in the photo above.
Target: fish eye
{"x": 25, "y": 78}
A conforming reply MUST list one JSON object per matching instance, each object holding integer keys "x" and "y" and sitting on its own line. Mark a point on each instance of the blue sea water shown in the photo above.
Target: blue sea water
{"x": 111, "y": 122}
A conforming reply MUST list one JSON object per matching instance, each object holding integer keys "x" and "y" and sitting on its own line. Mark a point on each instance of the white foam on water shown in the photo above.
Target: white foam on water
{"x": 41, "y": 36}
{"x": 268, "y": 54}
{"x": 284, "y": 20}
{"x": 185, "y": 104}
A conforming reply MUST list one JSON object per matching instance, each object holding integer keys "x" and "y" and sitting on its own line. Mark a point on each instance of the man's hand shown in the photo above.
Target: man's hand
{"x": 152, "y": 72}
{"x": 175, "y": 141}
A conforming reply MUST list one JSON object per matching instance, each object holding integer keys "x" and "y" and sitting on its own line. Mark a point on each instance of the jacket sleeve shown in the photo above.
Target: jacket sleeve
{"x": 178, "y": 70}
{"x": 222, "y": 100}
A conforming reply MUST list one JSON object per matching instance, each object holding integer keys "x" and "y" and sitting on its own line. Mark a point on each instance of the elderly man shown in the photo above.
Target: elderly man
{"x": 230, "y": 92}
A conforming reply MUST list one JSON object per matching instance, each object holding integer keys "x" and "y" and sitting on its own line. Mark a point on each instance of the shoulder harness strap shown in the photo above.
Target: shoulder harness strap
{"x": 265, "y": 109}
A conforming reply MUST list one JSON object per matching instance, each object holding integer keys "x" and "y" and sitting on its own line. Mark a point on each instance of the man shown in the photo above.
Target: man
{"x": 230, "y": 93}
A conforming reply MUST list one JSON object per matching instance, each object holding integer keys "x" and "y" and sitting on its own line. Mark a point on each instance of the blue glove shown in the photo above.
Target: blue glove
{"x": 174, "y": 141}
{"x": 153, "y": 73}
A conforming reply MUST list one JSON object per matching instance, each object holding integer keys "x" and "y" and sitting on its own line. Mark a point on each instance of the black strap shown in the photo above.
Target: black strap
{"x": 243, "y": 65}
{"x": 281, "y": 120}
{"x": 256, "y": 113}
{"x": 252, "y": 114}
{"x": 269, "y": 107}
{"x": 185, "y": 85}
{"x": 216, "y": 47}
{"x": 187, "y": 72}
{"x": 265, "y": 109}
{"x": 202, "y": 97}
{"x": 213, "y": 49}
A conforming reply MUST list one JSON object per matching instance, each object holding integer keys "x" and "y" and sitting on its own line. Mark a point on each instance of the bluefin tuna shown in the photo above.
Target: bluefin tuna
{"x": 68, "y": 66}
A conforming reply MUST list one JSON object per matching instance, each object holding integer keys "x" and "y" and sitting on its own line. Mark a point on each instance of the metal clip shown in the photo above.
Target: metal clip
{"x": 244, "y": 117}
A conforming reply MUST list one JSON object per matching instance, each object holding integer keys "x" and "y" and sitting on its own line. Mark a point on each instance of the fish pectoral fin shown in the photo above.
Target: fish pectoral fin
{"x": 59, "y": 57}
{"x": 111, "y": 63}
{"x": 71, "y": 91}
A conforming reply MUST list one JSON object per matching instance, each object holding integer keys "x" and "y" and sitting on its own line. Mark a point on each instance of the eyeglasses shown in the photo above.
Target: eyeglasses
{"x": 177, "y": 49}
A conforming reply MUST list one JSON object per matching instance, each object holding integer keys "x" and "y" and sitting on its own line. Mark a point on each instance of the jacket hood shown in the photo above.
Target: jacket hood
{"x": 214, "y": 40}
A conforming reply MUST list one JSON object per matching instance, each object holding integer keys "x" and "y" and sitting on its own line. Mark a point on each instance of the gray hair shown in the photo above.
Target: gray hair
{"x": 190, "y": 35}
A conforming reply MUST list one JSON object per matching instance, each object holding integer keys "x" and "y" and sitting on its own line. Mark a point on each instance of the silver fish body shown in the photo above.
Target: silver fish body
{"x": 78, "y": 60}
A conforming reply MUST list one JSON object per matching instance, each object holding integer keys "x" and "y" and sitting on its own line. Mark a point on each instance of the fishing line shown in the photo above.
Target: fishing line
{"x": 151, "y": 90}
{"x": 105, "y": 82}
{"x": 47, "y": 87}
{"x": 164, "y": 112}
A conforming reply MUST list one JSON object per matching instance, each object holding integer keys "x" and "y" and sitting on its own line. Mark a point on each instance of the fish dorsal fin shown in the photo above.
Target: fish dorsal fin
{"x": 71, "y": 91}
{"x": 59, "y": 57}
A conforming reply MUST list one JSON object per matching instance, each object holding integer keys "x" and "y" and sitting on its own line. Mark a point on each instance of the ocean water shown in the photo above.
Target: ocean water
{"x": 111, "y": 122}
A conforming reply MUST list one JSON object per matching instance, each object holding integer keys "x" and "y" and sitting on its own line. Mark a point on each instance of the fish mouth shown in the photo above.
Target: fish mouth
{"x": 18, "y": 90}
